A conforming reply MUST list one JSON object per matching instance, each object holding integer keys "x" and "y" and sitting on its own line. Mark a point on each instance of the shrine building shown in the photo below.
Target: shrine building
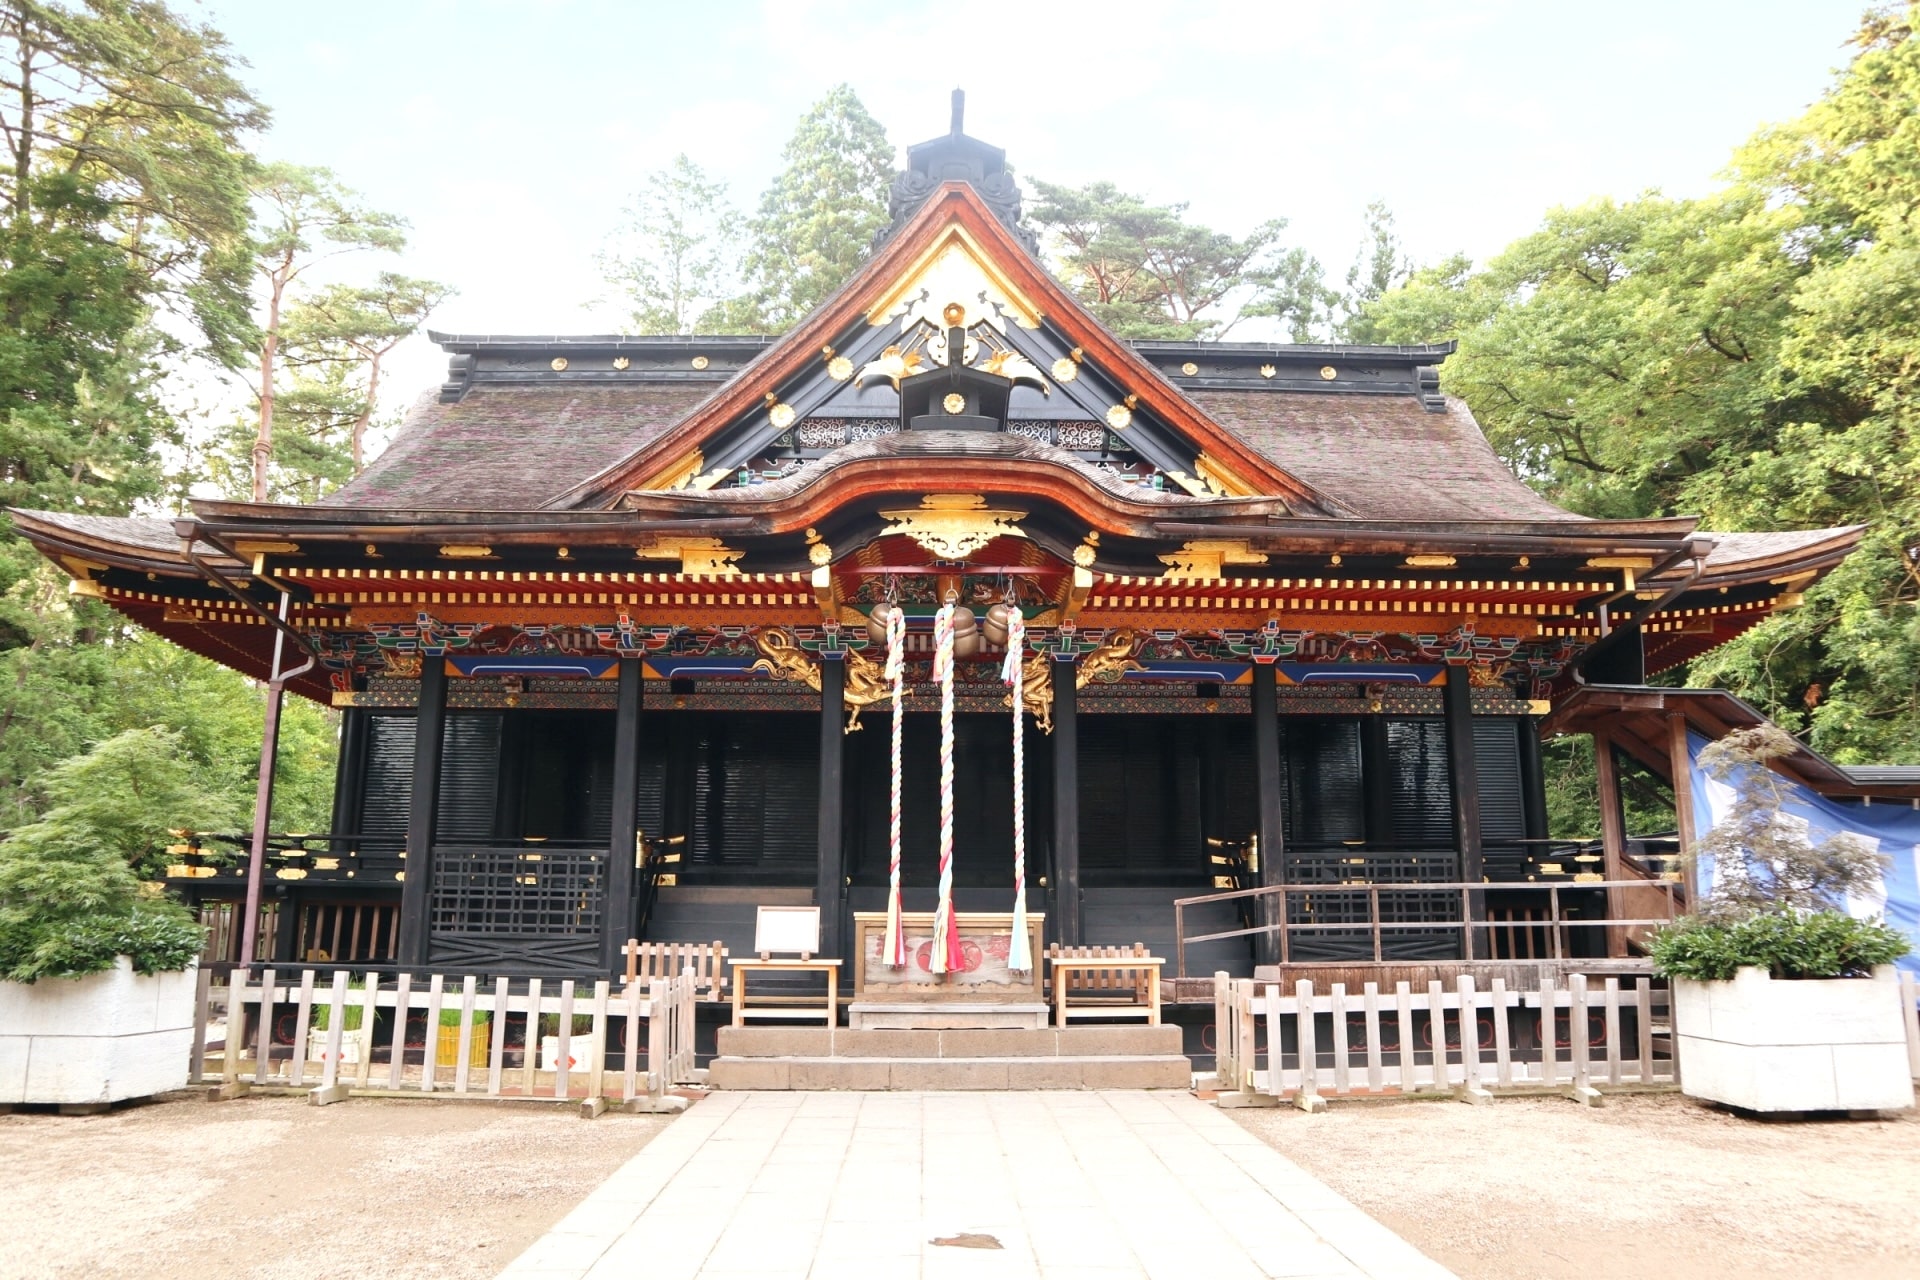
{"x": 607, "y": 626}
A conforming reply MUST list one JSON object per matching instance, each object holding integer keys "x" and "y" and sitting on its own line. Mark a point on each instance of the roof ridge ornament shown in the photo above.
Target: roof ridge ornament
{"x": 952, "y": 157}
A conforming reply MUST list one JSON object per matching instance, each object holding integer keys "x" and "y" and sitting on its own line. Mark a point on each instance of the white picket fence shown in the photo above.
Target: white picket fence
{"x": 1459, "y": 1040}
{"x": 1469, "y": 1042}
{"x": 576, "y": 1072}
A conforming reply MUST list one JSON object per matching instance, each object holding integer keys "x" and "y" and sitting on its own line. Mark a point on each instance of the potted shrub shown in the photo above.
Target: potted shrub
{"x": 1781, "y": 1000}
{"x": 96, "y": 963}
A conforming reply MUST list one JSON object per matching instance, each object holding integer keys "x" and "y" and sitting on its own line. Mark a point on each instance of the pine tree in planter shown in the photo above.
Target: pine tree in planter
{"x": 1782, "y": 1001}
{"x": 96, "y": 964}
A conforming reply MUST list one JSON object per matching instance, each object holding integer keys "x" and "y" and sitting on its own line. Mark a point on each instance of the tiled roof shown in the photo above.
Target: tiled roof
{"x": 1383, "y": 457}
{"x": 512, "y": 448}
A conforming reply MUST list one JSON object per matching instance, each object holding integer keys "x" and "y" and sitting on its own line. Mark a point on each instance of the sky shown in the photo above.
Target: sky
{"x": 510, "y": 134}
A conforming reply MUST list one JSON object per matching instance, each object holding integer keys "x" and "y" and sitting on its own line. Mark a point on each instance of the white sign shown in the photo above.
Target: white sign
{"x": 787, "y": 929}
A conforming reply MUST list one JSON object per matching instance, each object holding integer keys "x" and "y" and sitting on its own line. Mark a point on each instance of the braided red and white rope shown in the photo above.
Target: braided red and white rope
{"x": 1019, "y": 953}
{"x": 947, "y": 954}
{"x": 893, "y": 947}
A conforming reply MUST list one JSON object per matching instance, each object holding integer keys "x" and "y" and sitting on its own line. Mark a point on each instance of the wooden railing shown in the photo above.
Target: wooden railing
{"x": 272, "y": 1037}
{"x": 1470, "y": 919}
{"x": 1301, "y": 1045}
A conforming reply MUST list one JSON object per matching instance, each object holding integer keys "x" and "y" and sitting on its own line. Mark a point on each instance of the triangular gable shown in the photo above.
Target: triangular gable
{"x": 954, "y": 249}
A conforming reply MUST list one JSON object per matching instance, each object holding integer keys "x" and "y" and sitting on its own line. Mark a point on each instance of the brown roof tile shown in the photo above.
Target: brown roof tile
{"x": 513, "y": 448}
{"x": 1383, "y": 457}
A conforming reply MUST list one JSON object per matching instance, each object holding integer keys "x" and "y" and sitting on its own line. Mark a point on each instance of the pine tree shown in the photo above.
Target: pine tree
{"x": 816, "y": 224}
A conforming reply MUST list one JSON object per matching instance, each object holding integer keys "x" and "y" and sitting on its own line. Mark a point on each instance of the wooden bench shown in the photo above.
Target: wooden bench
{"x": 1105, "y": 982}
{"x": 708, "y": 960}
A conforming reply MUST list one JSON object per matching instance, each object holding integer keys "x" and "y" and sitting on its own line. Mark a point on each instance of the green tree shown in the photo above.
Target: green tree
{"x": 1379, "y": 267}
{"x": 816, "y": 224}
{"x": 304, "y": 216}
{"x": 675, "y": 259}
{"x": 1145, "y": 271}
{"x": 70, "y": 883}
{"x": 1752, "y": 356}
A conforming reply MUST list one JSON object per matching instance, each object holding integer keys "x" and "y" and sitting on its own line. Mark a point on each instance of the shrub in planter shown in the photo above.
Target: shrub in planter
{"x": 96, "y": 988}
{"x": 1782, "y": 1001}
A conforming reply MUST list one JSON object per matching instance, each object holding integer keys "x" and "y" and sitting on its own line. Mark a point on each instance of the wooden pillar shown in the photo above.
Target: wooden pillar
{"x": 616, "y": 921}
{"x": 1066, "y": 801}
{"x": 1613, "y": 837}
{"x": 429, "y": 729}
{"x": 1463, "y": 770}
{"x": 1269, "y": 948}
{"x": 1681, "y": 762}
{"x": 830, "y": 882}
{"x": 1533, "y": 779}
{"x": 349, "y": 783}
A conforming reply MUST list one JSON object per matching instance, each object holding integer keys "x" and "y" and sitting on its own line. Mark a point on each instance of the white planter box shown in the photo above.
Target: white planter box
{"x": 1830, "y": 1044}
{"x": 349, "y": 1047}
{"x": 97, "y": 1039}
{"x": 576, "y": 1053}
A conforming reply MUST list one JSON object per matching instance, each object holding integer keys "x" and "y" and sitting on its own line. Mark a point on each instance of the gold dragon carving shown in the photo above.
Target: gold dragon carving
{"x": 784, "y": 659}
{"x": 1111, "y": 661}
{"x": 1036, "y": 691}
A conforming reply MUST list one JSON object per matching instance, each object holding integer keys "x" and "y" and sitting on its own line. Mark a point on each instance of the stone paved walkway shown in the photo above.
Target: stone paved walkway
{"x": 1067, "y": 1186}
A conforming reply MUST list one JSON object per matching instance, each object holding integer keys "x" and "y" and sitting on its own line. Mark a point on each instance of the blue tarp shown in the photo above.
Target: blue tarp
{"x": 1892, "y": 827}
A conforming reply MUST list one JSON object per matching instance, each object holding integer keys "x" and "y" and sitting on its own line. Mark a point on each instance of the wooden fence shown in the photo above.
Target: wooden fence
{"x": 283, "y": 1032}
{"x": 1464, "y": 1040}
{"x": 1389, "y": 1041}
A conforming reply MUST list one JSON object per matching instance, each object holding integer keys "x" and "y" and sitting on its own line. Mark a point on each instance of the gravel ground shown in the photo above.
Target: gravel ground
{"x": 274, "y": 1187}
{"x": 1648, "y": 1185}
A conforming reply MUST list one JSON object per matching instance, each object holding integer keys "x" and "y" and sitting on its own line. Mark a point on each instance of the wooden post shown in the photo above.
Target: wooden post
{"x": 1463, "y": 769}
{"x": 616, "y": 919}
{"x": 1613, "y": 837}
{"x": 830, "y": 881}
{"x": 1066, "y": 801}
{"x": 1533, "y": 782}
{"x": 1680, "y": 760}
{"x": 1267, "y": 810}
{"x": 429, "y": 726}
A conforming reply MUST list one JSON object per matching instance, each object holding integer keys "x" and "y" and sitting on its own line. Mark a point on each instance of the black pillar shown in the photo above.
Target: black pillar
{"x": 1066, "y": 803}
{"x": 1266, "y": 771}
{"x": 1463, "y": 767}
{"x": 429, "y": 727}
{"x": 1533, "y": 779}
{"x": 616, "y": 922}
{"x": 348, "y": 783}
{"x": 829, "y": 886}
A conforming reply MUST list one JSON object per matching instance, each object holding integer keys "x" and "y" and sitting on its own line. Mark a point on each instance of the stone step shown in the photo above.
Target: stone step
{"x": 1116, "y": 1042}
{"x": 873, "y": 1074}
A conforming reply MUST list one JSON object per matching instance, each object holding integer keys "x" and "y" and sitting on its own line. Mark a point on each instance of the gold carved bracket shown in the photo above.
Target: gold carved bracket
{"x": 955, "y": 525}
{"x": 1206, "y": 560}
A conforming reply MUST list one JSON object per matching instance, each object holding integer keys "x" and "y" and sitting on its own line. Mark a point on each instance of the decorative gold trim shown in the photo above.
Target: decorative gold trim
{"x": 558, "y": 364}
{"x": 461, "y": 551}
{"x": 1328, "y": 373}
{"x": 839, "y": 368}
{"x": 1431, "y": 562}
{"x": 86, "y": 587}
{"x": 954, "y": 268}
{"x": 621, "y": 362}
{"x": 1223, "y": 479}
{"x": 247, "y": 547}
{"x": 1119, "y": 417}
{"x": 705, "y": 556}
{"x": 820, "y": 554}
{"x": 676, "y": 474}
{"x": 1205, "y": 560}
{"x": 954, "y": 402}
{"x": 1064, "y": 370}
{"x": 781, "y": 416}
{"x": 955, "y": 525}
{"x": 1267, "y": 371}
{"x": 700, "y": 362}
{"x": 1190, "y": 368}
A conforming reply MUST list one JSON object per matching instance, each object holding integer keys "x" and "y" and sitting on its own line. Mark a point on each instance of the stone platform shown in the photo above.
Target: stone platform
{"x": 808, "y": 1058}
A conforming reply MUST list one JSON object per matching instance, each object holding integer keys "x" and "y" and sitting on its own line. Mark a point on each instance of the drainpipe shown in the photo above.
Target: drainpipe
{"x": 263, "y": 792}
{"x": 270, "y": 731}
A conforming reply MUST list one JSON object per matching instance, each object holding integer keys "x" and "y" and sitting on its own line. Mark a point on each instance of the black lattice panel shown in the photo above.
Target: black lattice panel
{"x": 1345, "y": 900}
{"x": 516, "y": 893}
